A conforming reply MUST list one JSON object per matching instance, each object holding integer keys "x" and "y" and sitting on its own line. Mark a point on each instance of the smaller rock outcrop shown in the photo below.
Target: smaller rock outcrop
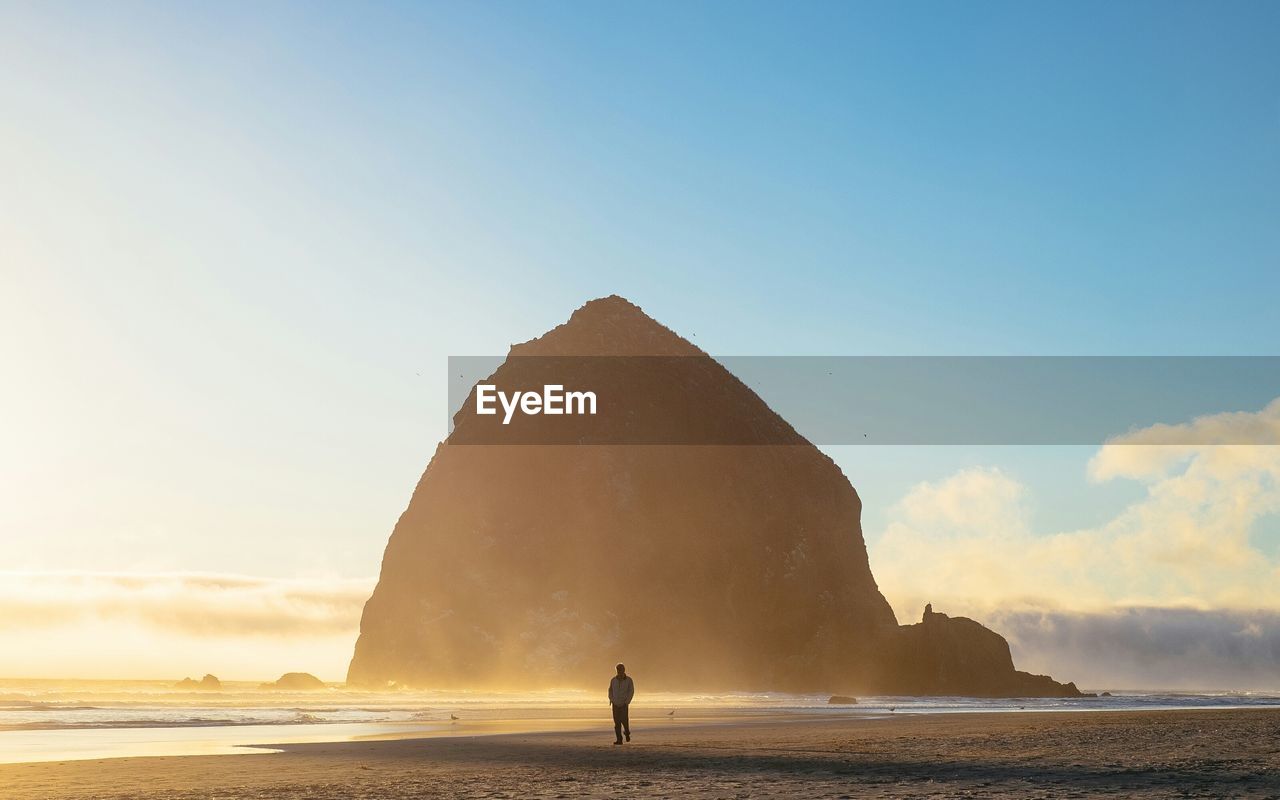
{"x": 943, "y": 655}
{"x": 209, "y": 683}
{"x": 296, "y": 682}
{"x": 842, "y": 700}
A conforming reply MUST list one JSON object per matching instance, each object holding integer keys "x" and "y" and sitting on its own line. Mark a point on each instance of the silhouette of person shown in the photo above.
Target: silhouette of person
{"x": 621, "y": 690}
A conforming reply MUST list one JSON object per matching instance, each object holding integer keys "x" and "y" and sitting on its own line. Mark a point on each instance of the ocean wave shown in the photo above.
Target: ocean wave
{"x": 37, "y": 705}
{"x": 190, "y": 722}
{"x": 427, "y": 716}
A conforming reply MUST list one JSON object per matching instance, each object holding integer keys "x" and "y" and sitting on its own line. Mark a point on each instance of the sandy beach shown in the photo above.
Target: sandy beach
{"x": 1209, "y": 753}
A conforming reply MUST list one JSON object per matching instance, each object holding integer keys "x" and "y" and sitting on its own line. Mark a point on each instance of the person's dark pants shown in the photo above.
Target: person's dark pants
{"x": 621, "y": 722}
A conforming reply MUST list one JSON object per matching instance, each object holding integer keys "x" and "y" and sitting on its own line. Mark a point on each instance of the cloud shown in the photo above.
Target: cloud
{"x": 966, "y": 542}
{"x": 188, "y": 603}
{"x": 1239, "y": 437}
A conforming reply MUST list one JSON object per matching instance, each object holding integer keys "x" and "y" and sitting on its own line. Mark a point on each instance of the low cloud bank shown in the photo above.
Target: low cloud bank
{"x": 188, "y": 603}
{"x": 1148, "y": 648}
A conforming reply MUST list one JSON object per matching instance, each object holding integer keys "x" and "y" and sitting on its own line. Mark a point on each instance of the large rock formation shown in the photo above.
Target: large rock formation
{"x": 717, "y": 566}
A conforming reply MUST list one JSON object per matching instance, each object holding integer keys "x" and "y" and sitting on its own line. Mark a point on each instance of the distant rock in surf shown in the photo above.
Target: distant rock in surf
{"x": 208, "y": 683}
{"x": 842, "y": 700}
{"x": 296, "y": 682}
{"x": 738, "y": 564}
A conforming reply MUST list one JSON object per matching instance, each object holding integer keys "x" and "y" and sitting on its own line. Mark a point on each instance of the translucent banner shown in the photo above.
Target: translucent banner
{"x": 769, "y": 400}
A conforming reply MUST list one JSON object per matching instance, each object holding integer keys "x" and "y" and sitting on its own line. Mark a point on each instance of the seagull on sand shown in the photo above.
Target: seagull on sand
{"x": 453, "y": 716}
{"x": 671, "y": 713}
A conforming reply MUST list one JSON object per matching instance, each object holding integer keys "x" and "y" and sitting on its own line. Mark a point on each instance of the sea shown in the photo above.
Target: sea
{"x": 61, "y": 720}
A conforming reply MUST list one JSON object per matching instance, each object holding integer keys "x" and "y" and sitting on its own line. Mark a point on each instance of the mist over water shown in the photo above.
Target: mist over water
{"x": 1169, "y": 648}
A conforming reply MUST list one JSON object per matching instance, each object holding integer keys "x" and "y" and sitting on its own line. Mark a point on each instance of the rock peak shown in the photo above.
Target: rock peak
{"x": 608, "y": 326}
{"x": 610, "y": 302}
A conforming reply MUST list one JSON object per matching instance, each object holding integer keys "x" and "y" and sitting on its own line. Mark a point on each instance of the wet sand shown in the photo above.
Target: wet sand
{"x": 1206, "y": 753}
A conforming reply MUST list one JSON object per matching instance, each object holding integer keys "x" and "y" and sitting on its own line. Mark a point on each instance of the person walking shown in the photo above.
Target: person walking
{"x": 621, "y": 690}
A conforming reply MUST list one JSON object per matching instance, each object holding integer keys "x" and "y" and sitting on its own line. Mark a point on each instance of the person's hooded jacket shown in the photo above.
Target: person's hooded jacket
{"x": 621, "y": 690}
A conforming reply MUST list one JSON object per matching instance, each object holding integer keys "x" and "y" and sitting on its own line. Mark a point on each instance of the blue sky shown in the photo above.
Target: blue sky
{"x": 237, "y": 244}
